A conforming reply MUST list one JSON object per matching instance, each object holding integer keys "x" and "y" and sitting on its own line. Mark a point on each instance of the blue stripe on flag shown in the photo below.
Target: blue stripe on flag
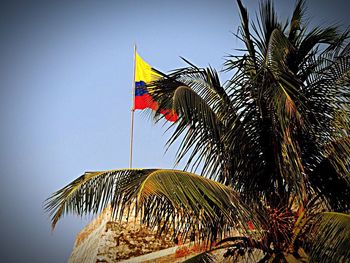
{"x": 140, "y": 88}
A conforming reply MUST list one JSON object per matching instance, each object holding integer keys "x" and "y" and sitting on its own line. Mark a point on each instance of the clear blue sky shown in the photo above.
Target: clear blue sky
{"x": 65, "y": 96}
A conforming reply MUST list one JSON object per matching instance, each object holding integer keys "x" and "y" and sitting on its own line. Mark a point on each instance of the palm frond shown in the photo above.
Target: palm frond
{"x": 334, "y": 188}
{"x": 330, "y": 241}
{"x": 246, "y": 36}
{"x": 296, "y": 21}
{"x": 327, "y": 89}
{"x": 267, "y": 23}
{"x": 202, "y": 130}
{"x": 204, "y": 81}
{"x": 311, "y": 41}
{"x": 203, "y": 106}
{"x": 89, "y": 193}
{"x": 167, "y": 199}
{"x": 338, "y": 153}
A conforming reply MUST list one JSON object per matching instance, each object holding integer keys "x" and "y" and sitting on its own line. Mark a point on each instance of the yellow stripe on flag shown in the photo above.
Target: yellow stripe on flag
{"x": 143, "y": 71}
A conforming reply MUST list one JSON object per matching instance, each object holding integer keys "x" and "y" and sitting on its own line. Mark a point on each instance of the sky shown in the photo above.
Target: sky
{"x": 66, "y": 72}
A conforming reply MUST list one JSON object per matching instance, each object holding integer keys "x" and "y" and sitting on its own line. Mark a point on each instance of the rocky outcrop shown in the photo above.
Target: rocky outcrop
{"x": 106, "y": 240}
{"x": 122, "y": 240}
{"x": 109, "y": 241}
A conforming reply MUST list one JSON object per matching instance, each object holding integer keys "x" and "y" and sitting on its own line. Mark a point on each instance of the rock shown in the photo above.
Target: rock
{"x": 121, "y": 240}
{"x": 148, "y": 238}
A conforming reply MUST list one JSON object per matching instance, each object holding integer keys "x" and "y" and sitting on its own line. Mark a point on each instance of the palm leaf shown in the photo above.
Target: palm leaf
{"x": 334, "y": 188}
{"x": 296, "y": 21}
{"x": 246, "y": 36}
{"x": 267, "y": 23}
{"x": 89, "y": 193}
{"x": 166, "y": 199}
{"x": 203, "y": 131}
{"x": 203, "y": 106}
{"x": 331, "y": 239}
{"x": 338, "y": 153}
{"x": 311, "y": 40}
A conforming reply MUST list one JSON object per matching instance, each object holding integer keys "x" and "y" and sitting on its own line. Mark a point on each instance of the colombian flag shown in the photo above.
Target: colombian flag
{"x": 143, "y": 75}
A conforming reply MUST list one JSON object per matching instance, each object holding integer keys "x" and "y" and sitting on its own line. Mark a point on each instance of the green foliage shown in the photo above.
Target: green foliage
{"x": 331, "y": 238}
{"x": 169, "y": 199}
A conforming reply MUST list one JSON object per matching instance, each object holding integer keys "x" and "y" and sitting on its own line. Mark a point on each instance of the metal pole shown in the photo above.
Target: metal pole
{"x": 132, "y": 110}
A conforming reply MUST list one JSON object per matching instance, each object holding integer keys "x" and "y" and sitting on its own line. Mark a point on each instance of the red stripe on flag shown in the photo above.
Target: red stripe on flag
{"x": 170, "y": 115}
{"x": 145, "y": 101}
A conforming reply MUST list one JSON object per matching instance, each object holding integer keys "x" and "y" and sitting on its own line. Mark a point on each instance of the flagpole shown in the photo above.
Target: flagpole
{"x": 132, "y": 110}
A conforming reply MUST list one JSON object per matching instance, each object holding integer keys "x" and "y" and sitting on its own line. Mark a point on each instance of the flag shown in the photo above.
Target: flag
{"x": 144, "y": 75}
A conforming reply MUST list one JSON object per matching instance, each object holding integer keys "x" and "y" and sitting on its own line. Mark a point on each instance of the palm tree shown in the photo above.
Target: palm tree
{"x": 271, "y": 147}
